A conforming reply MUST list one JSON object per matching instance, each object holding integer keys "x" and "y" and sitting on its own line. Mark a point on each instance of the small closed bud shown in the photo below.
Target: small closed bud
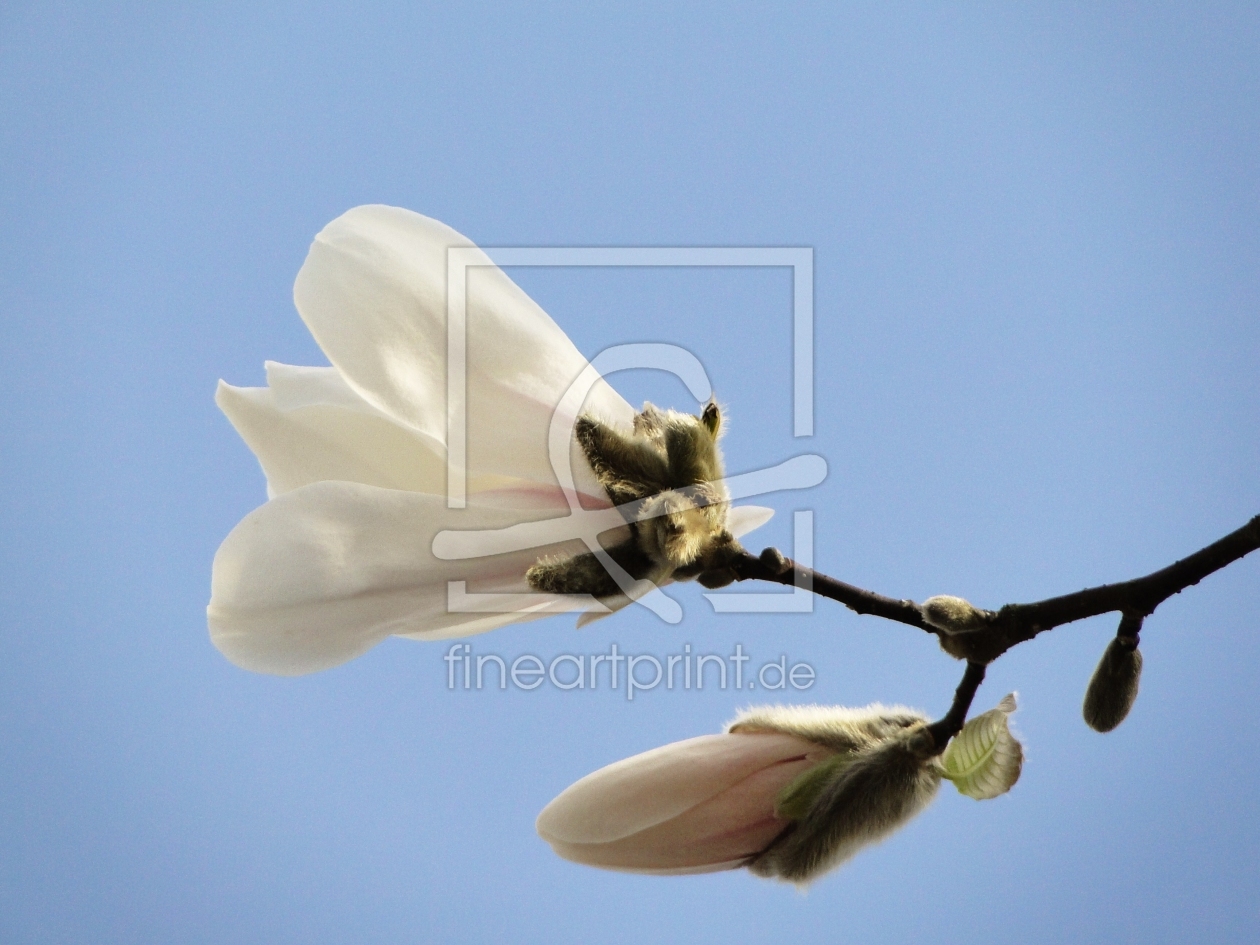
{"x": 1114, "y": 686}
{"x": 953, "y": 614}
{"x": 773, "y": 559}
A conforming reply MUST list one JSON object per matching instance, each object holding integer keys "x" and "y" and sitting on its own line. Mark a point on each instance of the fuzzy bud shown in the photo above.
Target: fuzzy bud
{"x": 953, "y": 614}
{"x": 787, "y": 791}
{"x": 850, "y": 802}
{"x": 956, "y": 619}
{"x": 1114, "y": 685}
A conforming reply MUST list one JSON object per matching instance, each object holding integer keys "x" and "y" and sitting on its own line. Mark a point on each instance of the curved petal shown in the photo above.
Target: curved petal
{"x": 638, "y": 793}
{"x": 373, "y": 292}
{"x": 742, "y": 519}
{"x": 325, "y": 572}
{"x": 296, "y": 385}
{"x": 308, "y": 426}
{"x": 679, "y": 871}
{"x": 728, "y": 829}
{"x": 311, "y": 442}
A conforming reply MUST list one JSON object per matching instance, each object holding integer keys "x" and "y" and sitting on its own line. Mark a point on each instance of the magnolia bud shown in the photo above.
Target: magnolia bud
{"x": 1114, "y": 685}
{"x": 788, "y": 791}
{"x": 955, "y": 618}
{"x": 773, "y": 559}
{"x": 952, "y": 614}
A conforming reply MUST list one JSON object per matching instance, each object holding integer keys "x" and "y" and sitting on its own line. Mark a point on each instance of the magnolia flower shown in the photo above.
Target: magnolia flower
{"x": 789, "y": 792}
{"x": 355, "y": 454}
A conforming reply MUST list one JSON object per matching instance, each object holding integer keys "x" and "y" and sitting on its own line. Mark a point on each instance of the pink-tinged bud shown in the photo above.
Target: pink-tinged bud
{"x": 788, "y": 791}
{"x": 696, "y": 806}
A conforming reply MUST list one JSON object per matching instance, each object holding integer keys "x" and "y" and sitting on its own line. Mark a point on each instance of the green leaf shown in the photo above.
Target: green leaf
{"x": 984, "y": 759}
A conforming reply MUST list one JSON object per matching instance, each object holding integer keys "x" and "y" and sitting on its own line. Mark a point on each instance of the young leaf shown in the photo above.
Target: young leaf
{"x": 984, "y": 759}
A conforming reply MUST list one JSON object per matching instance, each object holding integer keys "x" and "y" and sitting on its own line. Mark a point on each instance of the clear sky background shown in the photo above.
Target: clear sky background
{"x": 1037, "y": 245}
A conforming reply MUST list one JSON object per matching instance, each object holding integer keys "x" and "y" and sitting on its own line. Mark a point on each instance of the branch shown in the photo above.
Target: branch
{"x": 773, "y": 566}
{"x": 952, "y": 723}
{"x": 992, "y": 633}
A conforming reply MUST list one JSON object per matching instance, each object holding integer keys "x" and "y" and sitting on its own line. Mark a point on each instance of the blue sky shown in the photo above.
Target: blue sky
{"x": 1037, "y": 252}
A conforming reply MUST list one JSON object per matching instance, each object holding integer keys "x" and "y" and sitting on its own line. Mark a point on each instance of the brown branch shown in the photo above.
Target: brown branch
{"x": 773, "y": 566}
{"x": 952, "y": 723}
{"x": 995, "y": 632}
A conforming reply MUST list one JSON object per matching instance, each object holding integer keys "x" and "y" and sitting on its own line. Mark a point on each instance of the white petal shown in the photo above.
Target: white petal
{"x": 640, "y": 589}
{"x": 373, "y": 293}
{"x": 323, "y": 573}
{"x": 734, "y": 825}
{"x": 681, "y": 871}
{"x": 638, "y": 793}
{"x": 742, "y": 519}
{"x": 300, "y": 386}
{"x": 310, "y": 442}
{"x": 309, "y": 426}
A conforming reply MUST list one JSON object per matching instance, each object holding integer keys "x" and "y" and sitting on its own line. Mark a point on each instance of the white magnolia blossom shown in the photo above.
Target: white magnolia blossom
{"x": 341, "y": 557}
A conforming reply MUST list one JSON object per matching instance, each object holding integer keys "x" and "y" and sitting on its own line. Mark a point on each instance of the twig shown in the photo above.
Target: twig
{"x": 952, "y": 722}
{"x": 998, "y": 631}
{"x": 773, "y": 566}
